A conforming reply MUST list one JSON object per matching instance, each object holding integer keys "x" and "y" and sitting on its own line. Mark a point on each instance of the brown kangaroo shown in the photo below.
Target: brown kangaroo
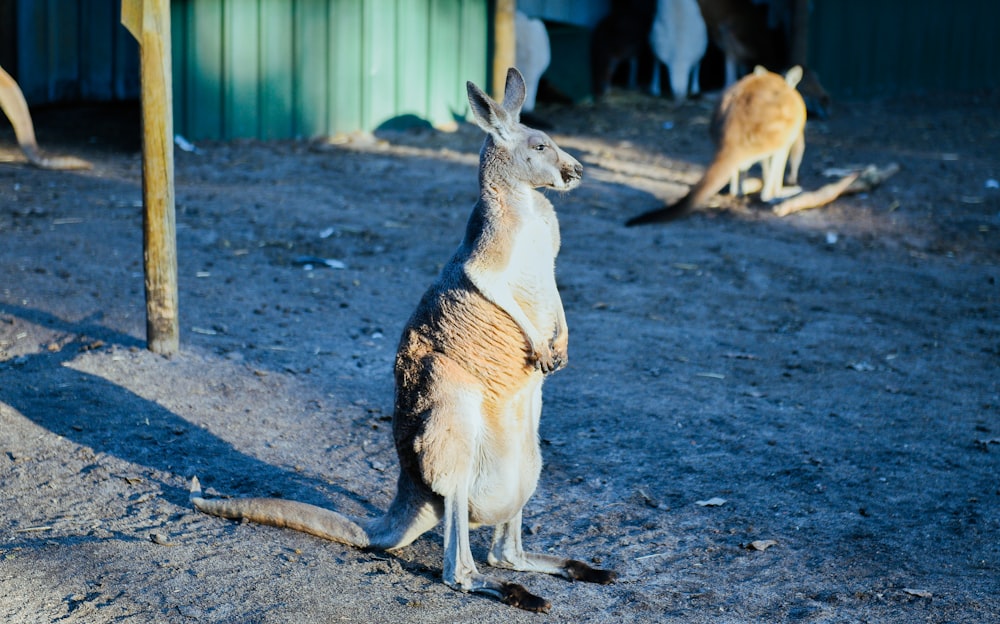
{"x": 469, "y": 373}
{"x": 15, "y": 107}
{"x": 760, "y": 119}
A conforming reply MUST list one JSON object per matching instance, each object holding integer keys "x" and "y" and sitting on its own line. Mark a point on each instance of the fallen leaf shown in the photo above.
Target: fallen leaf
{"x": 649, "y": 500}
{"x": 761, "y": 545}
{"x": 712, "y": 502}
{"x": 160, "y": 538}
{"x": 711, "y": 375}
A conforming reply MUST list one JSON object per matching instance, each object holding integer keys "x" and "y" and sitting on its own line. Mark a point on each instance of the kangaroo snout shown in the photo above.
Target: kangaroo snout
{"x": 572, "y": 174}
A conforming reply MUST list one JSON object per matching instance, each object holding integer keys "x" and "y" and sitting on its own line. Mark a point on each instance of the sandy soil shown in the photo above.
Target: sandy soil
{"x": 832, "y": 376}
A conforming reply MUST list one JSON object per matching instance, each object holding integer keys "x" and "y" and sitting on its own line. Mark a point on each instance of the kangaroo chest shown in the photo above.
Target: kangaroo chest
{"x": 530, "y": 271}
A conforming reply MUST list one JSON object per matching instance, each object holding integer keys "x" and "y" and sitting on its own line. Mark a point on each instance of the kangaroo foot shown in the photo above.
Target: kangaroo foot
{"x": 517, "y": 596}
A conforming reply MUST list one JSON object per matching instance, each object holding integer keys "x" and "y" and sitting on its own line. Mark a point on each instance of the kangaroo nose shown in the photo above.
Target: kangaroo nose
{"x": 572, "y": 173}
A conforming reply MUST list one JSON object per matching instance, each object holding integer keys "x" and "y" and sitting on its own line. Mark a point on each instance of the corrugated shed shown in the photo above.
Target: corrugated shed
{"x": 303, "y": 68}
{"x": 578, "y": 12}
{"x": 8, "y": 36}
{"x": 68, "y": 51}
{"x": 287, "y": 68}
{"x": 880, "y": 47}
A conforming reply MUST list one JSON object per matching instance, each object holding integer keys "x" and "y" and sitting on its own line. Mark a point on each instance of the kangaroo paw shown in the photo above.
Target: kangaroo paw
{"x": 559, "y": 346}
{"x": 517, "y": 596}
{"x": 543, "y": 360}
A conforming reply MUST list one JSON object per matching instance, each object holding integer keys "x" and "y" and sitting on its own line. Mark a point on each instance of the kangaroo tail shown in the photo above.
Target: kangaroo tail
{"x": 282, "y": 513}
{"x": 662, "y": 215}
{"x": 716, "y": 176}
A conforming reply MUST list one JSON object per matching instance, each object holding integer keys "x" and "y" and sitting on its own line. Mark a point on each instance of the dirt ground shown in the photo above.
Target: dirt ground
{"x": 832, "y": 376}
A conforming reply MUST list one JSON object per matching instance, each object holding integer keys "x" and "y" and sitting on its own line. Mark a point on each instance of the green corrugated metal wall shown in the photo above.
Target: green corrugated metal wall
{"x": 303, "y": 68}
{"x": 70, "y": 51}
{"x": 287, "y": 68}
{"x": 880, "y": 47}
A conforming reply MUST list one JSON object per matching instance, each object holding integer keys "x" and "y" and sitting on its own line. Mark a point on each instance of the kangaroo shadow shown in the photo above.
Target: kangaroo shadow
{"x": 94, "y": 412}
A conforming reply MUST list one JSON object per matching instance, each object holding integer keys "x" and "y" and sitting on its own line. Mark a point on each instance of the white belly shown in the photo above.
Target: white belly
{"x": 531, "y": 276}
{"x": 508, "y": 460}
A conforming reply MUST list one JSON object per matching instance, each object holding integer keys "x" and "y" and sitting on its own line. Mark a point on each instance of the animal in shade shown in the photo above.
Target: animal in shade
{"x": 747, "y": 32}
{"x": 533, "y": 53}
{"x": 621, "y": 35}
{"x": 469, "y": 372}
{"x": 679, "y": 39}
{"x": 760, "y": 119}
{"x": 772, "y": 33}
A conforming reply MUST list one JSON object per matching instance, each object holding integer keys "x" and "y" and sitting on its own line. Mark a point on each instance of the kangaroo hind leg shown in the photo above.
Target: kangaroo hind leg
{"x": 448, "y": 447}
{"x": 14, "y": 106}
{"x": 795, "y": 159}
{"x": 508, "y": 552}
{"x": 460, "y": 570}
{"x": 774, "y": 172}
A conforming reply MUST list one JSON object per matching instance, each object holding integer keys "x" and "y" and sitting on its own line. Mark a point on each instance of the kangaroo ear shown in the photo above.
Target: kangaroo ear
{"x": 488, "y": 114}
{"x": 793, "y": 76}
{"x": 514, "y": 93}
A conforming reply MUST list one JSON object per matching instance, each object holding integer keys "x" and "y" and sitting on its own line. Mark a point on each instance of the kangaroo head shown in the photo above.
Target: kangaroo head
{"x": 524, "y": 155}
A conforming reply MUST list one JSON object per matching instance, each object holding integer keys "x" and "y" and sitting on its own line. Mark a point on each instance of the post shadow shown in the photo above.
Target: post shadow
{"x": 94, "y": 412}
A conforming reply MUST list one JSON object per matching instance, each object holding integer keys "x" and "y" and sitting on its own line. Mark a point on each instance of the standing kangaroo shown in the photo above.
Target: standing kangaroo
{"x": 679, "y": 39}
{"x": 760, "y": 119}
{"x": 469, "y": 373}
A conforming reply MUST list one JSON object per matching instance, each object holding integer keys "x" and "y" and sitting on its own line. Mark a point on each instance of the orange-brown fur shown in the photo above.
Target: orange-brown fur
{"x": 760, "y": 119}
{"x": 469, "y": 372}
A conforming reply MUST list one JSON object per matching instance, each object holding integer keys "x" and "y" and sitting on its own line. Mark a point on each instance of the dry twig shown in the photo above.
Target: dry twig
{"x": 857, "y": 182}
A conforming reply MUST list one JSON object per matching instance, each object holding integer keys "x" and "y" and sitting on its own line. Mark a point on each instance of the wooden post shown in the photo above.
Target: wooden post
{"x": 149, "y": 23}
{"x": 504, "y": 44}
